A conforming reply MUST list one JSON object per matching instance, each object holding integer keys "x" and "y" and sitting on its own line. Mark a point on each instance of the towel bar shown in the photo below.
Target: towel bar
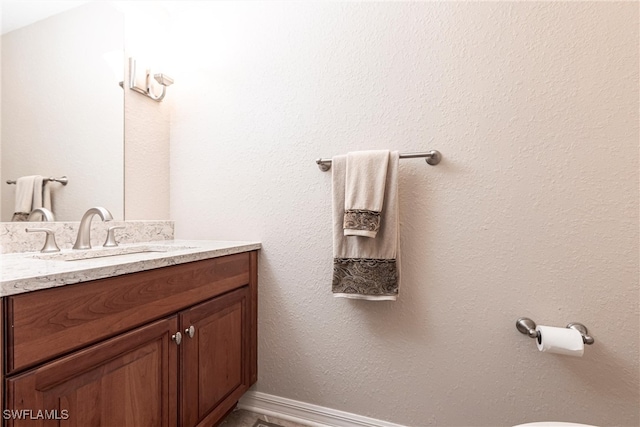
{"x": 62, "y": 180}
{"x": 432, "y": 157}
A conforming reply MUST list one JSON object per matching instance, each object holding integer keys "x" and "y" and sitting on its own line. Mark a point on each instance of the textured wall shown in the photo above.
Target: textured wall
{"x": 147, "y": 122}
{"x": 533, "y": 211}
{"x": 146, "y": 157}
{"x": 62, "y": 109}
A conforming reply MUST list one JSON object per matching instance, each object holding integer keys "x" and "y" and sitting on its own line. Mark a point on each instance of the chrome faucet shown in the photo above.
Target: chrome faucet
{"x": 83, "y": 241}
{"x": 47, "y": 215}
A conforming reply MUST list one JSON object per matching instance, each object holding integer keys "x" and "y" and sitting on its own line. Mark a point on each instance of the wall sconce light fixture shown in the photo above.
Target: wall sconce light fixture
{"x": 144, "y": 83}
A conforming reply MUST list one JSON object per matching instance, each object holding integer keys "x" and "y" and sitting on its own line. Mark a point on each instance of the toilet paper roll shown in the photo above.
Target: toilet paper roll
{"x": 560, "y": 341}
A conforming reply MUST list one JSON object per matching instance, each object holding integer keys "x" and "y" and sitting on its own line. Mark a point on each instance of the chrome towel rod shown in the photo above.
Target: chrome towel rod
{"x": 432, "y": 157}
{"x": 62, "y": 180}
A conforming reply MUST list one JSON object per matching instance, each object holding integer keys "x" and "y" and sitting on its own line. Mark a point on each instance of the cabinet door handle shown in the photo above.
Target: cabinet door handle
{"x": 191, "y": 331}
{"x": 177, "y": 337}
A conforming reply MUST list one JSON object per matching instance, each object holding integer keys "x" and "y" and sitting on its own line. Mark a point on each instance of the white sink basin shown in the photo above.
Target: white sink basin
{"x": 79, "y": 255}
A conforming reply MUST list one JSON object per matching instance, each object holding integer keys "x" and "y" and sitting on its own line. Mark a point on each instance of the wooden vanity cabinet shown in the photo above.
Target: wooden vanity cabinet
{"x": 186, "y": 364}
{"x": 214, "y": 368}
{"x": 130, "y": 380}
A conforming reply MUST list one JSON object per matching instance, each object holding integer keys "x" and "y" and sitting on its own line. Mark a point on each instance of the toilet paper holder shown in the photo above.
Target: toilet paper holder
{"x": 527, "y": 326}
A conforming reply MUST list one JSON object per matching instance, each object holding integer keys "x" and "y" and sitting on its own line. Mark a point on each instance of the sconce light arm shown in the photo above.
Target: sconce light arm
{"x": 164, "y": 80}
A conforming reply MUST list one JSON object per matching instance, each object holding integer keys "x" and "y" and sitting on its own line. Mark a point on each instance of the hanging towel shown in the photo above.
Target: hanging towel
{"x": 365, "y": 182}
{"x": 24, "y": 198}
{"x": 365, "y": 268}
{"x": 46, "y": 195}
{"x": 41, "y": 197}
{"x": 30, "y": 194}
{"x": 37, "y": 193}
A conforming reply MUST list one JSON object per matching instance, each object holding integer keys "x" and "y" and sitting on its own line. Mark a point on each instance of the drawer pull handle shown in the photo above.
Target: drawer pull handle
{"x": 177, "y": 337}
{"x": 191, "y": 331}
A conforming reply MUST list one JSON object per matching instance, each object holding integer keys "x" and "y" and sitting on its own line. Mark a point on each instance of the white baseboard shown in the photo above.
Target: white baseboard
{"x": 305, "y": 413}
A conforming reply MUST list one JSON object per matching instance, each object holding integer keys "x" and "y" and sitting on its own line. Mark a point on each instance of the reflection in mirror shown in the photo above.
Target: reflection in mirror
{"x": 63, "y": 108}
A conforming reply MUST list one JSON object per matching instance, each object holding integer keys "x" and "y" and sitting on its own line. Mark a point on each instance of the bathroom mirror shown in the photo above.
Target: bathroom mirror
{"x": 62, "y": 105}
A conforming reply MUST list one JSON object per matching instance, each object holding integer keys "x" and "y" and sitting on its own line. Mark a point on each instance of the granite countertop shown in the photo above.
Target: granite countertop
{"x": 31, "y": 271}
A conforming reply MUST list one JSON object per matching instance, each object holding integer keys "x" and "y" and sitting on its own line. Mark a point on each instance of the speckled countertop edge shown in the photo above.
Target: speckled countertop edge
{"x": 21, "y": 272}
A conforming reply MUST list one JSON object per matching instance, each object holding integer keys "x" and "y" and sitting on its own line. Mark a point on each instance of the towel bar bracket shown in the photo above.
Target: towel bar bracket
{"x": 323, "y": 165}
{"x": 434, "y": 158}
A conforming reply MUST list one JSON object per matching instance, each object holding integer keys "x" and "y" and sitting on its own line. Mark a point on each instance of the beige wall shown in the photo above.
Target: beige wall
{"x": 147, "y": 122}
{"x": 533, "y": 211}
{"x": 146, "y": 156}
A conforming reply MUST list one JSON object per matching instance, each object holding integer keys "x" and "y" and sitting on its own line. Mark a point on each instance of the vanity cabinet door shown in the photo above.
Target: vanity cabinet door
{"x": 130, "y": 380}
{"x": 216, "y": 359}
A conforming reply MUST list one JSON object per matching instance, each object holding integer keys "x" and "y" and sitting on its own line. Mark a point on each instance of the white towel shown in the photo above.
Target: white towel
{"x": 46, "y": 195}
{"x": 365, "y": 268}
{"x": 24, "y": 194}
{"x": 41, "y": 197}
{"x": 366, "y": 177}
{"x": 29, "y": 195}
{"x": 37, "y": 193}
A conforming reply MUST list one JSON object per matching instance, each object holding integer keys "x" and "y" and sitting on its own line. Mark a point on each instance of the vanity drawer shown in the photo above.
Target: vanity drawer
{"x": 44, "y": 324}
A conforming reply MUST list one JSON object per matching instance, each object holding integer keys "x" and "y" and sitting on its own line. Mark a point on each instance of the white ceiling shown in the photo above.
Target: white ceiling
{"x": 18, "y": 13}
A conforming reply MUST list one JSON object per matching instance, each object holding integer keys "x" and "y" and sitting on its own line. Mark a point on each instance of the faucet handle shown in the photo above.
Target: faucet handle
{"x": 111, "y": 238}
{"x": 50, "y": 240}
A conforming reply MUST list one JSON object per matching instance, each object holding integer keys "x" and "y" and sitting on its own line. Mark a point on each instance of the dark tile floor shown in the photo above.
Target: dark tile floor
{"x": 243, "y": 418}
